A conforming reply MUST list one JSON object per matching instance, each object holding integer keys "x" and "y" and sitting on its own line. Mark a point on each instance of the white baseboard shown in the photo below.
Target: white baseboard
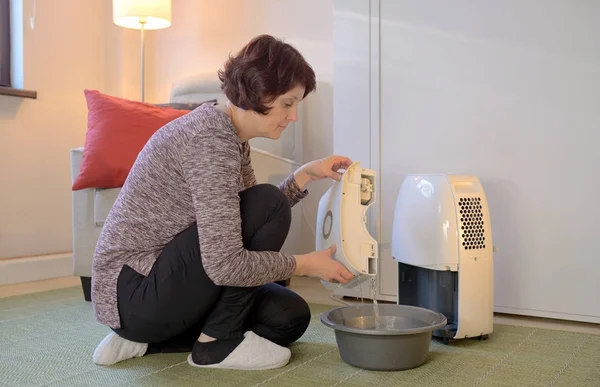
{"x": 27, "y": 269}
{"x": 547, "y": 314}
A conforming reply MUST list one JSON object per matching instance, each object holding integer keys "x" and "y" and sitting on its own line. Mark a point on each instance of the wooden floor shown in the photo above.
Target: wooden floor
{"x": 312, "y": 290}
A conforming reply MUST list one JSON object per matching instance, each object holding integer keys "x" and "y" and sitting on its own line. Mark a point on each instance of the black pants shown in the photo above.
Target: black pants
{"x": 176, "y": 302}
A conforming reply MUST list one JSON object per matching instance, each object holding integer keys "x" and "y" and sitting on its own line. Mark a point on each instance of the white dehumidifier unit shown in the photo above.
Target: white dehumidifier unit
{"x": 342, "y": 221}
{"x": 442, "y": 241}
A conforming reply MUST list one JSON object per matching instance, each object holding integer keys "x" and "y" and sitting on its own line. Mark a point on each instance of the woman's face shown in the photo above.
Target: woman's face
{"x": 283, "y": 111}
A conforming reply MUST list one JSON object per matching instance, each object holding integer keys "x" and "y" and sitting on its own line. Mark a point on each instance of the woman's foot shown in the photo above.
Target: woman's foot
{"x": 114, "y": 349}
{"x": 250, "y": 352}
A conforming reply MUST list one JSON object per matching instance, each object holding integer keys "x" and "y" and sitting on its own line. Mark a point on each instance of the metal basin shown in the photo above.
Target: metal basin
{"x": 398, "y": 339}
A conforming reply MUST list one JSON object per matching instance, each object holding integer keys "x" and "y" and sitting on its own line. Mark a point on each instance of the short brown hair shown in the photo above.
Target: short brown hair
{"x": 262, "y": 71}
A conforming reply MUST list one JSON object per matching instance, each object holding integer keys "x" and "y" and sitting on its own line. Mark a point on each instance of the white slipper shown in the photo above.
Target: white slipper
{"x": 253, "y": 353}
{"x": 113, "y": 349}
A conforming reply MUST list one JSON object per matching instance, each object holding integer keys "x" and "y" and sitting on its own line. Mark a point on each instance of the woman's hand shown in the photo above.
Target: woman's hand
{"x": 321, "y": 169}
{"x": 320, "y": 264}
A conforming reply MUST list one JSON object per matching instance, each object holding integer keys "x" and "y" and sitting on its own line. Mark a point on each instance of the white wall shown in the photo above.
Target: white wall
{"x": 506, "y": 90}
{"x": 61, "y": 57}
{"x": 205, "y": 32}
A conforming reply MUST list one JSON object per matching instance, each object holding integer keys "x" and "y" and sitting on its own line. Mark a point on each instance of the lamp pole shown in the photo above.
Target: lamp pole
{"x": 142, "y": 15}
{"x": 142, "y": 70}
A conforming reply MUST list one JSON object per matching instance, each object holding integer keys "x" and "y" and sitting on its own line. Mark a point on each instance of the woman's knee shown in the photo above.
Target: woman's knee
{"x": 282, "y": 316}
{"x": 266, "y": 217}
{"x": 268, "y": 193}
{"x": 296, "y": 321}
{"x": 303, "y": 315}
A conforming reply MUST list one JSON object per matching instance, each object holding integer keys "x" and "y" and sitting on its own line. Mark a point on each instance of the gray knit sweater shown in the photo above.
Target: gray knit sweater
{"x": 191, "y": 170}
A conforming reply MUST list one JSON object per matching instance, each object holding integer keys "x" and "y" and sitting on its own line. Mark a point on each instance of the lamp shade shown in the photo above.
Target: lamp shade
{"x": 153, "y": 14}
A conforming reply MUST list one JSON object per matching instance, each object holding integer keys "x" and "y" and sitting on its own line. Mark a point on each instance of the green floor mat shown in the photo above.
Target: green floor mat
{"x": 47, "y": 339}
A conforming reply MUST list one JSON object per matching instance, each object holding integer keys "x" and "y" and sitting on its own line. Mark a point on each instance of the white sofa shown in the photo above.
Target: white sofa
{"x": 91, "y": 206}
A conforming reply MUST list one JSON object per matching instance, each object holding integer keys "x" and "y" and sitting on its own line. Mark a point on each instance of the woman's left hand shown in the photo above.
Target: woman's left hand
{"x": 321, "y": 169}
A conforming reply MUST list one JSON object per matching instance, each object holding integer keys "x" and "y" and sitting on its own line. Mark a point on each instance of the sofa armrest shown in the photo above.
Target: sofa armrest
{"x": 76, "y": 160}
{"x": 84, "y": 230}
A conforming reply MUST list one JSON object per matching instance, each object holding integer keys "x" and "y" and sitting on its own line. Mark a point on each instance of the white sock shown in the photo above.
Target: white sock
{"x": 113, "y": 349}
{"x": 253, "y": 353}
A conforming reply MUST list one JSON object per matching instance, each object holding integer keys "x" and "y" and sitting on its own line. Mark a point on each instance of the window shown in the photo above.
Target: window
{"x": 8, "y": 85}
{"x": 5, "y": 43}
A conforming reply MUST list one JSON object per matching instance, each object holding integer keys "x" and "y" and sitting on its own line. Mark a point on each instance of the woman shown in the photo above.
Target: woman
{"x": 188, "y": 256}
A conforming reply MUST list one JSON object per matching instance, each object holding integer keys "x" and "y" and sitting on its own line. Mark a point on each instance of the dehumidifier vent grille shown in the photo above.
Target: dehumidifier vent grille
{"x": 472, "y": 227}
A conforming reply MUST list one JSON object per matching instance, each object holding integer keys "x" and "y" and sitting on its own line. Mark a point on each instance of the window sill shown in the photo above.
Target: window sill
{"x": 18, "y": 92}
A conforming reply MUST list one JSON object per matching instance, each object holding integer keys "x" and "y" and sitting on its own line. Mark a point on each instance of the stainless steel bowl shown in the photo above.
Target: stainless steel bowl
{"x": 398, "y": 339}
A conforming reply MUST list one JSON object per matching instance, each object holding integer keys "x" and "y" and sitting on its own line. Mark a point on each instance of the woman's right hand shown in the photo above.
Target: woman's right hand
{"x": 320, "y": 264}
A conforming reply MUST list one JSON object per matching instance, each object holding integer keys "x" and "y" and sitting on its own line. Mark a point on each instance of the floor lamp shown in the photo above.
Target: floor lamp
{"x": 142, "y": 15}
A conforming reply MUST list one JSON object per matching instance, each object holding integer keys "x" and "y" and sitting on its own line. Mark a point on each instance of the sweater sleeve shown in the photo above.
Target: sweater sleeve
{"x": 247, "y": 170}
{"x": 289, "y": 186}
{"x": 292, "y": 191}
{"x": 211, "y": 165}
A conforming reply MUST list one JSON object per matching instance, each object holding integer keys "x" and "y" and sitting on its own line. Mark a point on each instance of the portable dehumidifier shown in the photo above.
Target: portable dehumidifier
{"x": 442, "y": 241}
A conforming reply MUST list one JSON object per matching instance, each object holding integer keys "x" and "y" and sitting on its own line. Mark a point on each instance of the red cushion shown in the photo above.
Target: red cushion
{"x": 117, "y": 131}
